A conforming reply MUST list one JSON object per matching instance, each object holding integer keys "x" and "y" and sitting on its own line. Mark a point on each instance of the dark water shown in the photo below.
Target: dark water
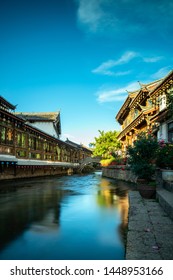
{"x": 67, "y": 218}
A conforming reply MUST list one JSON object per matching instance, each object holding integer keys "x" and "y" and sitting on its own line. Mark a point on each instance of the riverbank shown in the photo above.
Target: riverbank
{"x": 150, "y": 230}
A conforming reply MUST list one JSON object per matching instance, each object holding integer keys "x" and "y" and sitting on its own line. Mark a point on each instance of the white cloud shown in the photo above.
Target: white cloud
{"x": 116, "y": 94}
{"x": 152, "y": 59}
{"x": 105, "y": 66}
{"x": 111, "y": 73}
{"x": 161, "y": 72}
{"x": 119, "y": 94}
{"x": 90, "y": 13}
{"x": 120, "y": 17}
{"x": 126, "y": 57}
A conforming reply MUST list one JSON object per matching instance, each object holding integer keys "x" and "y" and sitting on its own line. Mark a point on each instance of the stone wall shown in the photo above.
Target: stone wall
{"x": 119, "y": 172}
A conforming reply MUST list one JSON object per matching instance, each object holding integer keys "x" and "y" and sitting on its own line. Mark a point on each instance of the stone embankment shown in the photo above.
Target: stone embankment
{"x": 119, "y": 172}
{"x": 150, "y": 221}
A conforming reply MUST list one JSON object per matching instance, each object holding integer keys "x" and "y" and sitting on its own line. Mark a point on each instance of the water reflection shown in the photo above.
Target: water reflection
{"x": 78, "y": 217}
{"x": 115, "y": 195}
{"x": 38, "y": 206}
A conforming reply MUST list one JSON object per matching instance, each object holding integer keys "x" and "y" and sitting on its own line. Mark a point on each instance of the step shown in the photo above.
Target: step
{"x": 168, "y": 186}
{"x": 165, "y": 199}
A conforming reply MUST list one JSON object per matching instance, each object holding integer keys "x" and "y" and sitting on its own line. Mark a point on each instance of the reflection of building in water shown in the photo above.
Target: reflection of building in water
{"x": 49, "y": 223}
{"x": 123, "y": 207}
{"x": 111, "y": 195}
{"x": 37, "y": 206}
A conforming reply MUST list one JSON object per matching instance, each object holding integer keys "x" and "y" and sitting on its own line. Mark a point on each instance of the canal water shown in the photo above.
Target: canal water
{"x": 63, "y": 218}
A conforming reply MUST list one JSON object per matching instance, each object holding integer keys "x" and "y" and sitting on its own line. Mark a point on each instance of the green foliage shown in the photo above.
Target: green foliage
{"x": 142, "y": 154}
{"x": 118, "y": 160}
{"x": 165, "y": 155}
{"x": 106, "y": 162}
{"x": 106, "y": 144}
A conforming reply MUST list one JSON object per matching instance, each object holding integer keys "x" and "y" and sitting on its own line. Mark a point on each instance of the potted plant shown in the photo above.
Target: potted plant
{"x": 164, "y": 160}
{"x": 140, "y": 157}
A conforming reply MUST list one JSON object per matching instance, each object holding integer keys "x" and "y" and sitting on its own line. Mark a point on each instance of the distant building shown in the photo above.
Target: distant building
{"x": 147, "y": 109}
{"x": 47, "y": 122}
{"x": 82, "y": 150}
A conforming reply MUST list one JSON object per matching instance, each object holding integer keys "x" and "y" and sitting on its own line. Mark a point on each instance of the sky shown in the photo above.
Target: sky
{"x": 81, "y": 57}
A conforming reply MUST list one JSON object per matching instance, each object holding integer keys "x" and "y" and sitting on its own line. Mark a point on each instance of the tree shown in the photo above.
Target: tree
{"x": 106, "y": 145}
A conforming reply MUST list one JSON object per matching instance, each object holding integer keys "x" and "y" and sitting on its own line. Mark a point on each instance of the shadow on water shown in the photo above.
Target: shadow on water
{"x": 76, "y": 217}
{"x": 27, "y": 204}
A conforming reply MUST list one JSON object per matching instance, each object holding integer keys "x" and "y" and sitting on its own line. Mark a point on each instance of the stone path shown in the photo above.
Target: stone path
{"x": 150, "y": 230}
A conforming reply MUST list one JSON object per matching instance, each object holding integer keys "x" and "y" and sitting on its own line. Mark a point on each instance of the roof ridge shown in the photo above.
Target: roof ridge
{"x": 152, "y": 83}
{"x": 36, "y": 113}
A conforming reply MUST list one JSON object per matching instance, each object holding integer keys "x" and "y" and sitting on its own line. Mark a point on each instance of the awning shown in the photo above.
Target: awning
{"x": 32, "y": 162}
{"x": 8, "y": 158}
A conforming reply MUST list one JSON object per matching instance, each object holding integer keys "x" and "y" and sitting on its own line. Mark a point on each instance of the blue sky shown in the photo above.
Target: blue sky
{"x": 81, "y": 57}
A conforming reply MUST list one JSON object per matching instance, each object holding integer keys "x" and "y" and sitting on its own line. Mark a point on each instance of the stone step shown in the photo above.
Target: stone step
{"x": 168, "y": 185}
{"x": 165, "y": 199}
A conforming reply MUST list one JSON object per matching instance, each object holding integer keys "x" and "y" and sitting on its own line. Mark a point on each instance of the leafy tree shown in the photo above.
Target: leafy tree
{"x": 106, "y": 145}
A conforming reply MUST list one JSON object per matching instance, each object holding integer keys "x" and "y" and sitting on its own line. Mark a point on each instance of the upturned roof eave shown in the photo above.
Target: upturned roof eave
{"x": 8, "y": 104}
{"x": 161, "y": 83}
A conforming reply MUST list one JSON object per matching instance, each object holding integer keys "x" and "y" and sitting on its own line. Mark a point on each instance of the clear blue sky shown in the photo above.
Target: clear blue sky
{"x": 80, "y": 57}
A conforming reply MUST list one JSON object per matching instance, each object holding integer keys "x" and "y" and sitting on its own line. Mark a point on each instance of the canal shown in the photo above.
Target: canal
{"x": 63, "y": 218}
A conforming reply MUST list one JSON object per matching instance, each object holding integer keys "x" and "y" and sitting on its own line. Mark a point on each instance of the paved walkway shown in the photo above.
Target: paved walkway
{"x": 150, "y": 230}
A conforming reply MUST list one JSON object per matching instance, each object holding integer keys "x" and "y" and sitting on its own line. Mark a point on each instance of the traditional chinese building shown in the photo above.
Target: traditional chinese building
{"x": 147, "y": 109}
{"x": 26, "y": 150}
{"x": 162, "y": 98}
{"x": 47, "y": 122}
{"x": 81, "y": 150}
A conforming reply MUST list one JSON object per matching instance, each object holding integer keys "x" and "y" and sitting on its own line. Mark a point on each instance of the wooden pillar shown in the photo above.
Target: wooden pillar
{"x": 14, "y": 141}
{"x": 15, "y": 169}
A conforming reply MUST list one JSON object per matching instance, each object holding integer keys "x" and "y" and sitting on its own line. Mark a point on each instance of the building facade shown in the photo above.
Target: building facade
{"x": 27, "y": 151}
{"x": 148, "y": 108}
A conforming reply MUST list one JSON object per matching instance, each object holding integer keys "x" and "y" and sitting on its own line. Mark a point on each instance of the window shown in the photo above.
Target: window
{"x": 21, "y": 140}
{"x": 32, "y": 143}
{"x": 9, "y": 136}
{"x": 2, "y": 134}
{"x": 58, "y": 152}
{"x": 21, "y": 153}
{"x": 162, "y": 102}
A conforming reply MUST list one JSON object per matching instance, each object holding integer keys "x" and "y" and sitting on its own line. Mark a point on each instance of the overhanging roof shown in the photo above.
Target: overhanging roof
{"x": 5, "y": 104}
{"x": 41, "y": 117}
{"x": 8, "y": 158}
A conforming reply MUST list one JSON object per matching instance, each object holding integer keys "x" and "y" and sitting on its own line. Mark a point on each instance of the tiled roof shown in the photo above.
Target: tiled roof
{"x": 51, "y": 116}
{"x": 133, "y": 96}
{"x": 81, "y": 146}
{"x": 73, "y": 143}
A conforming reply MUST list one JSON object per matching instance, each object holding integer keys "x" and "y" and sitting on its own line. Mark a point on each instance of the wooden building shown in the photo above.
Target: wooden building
{"x": 47, "y": 122}
{"x": 81, "y": 150}
{"x": 27, "y": 151}
{"x": 147, "y": 109}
